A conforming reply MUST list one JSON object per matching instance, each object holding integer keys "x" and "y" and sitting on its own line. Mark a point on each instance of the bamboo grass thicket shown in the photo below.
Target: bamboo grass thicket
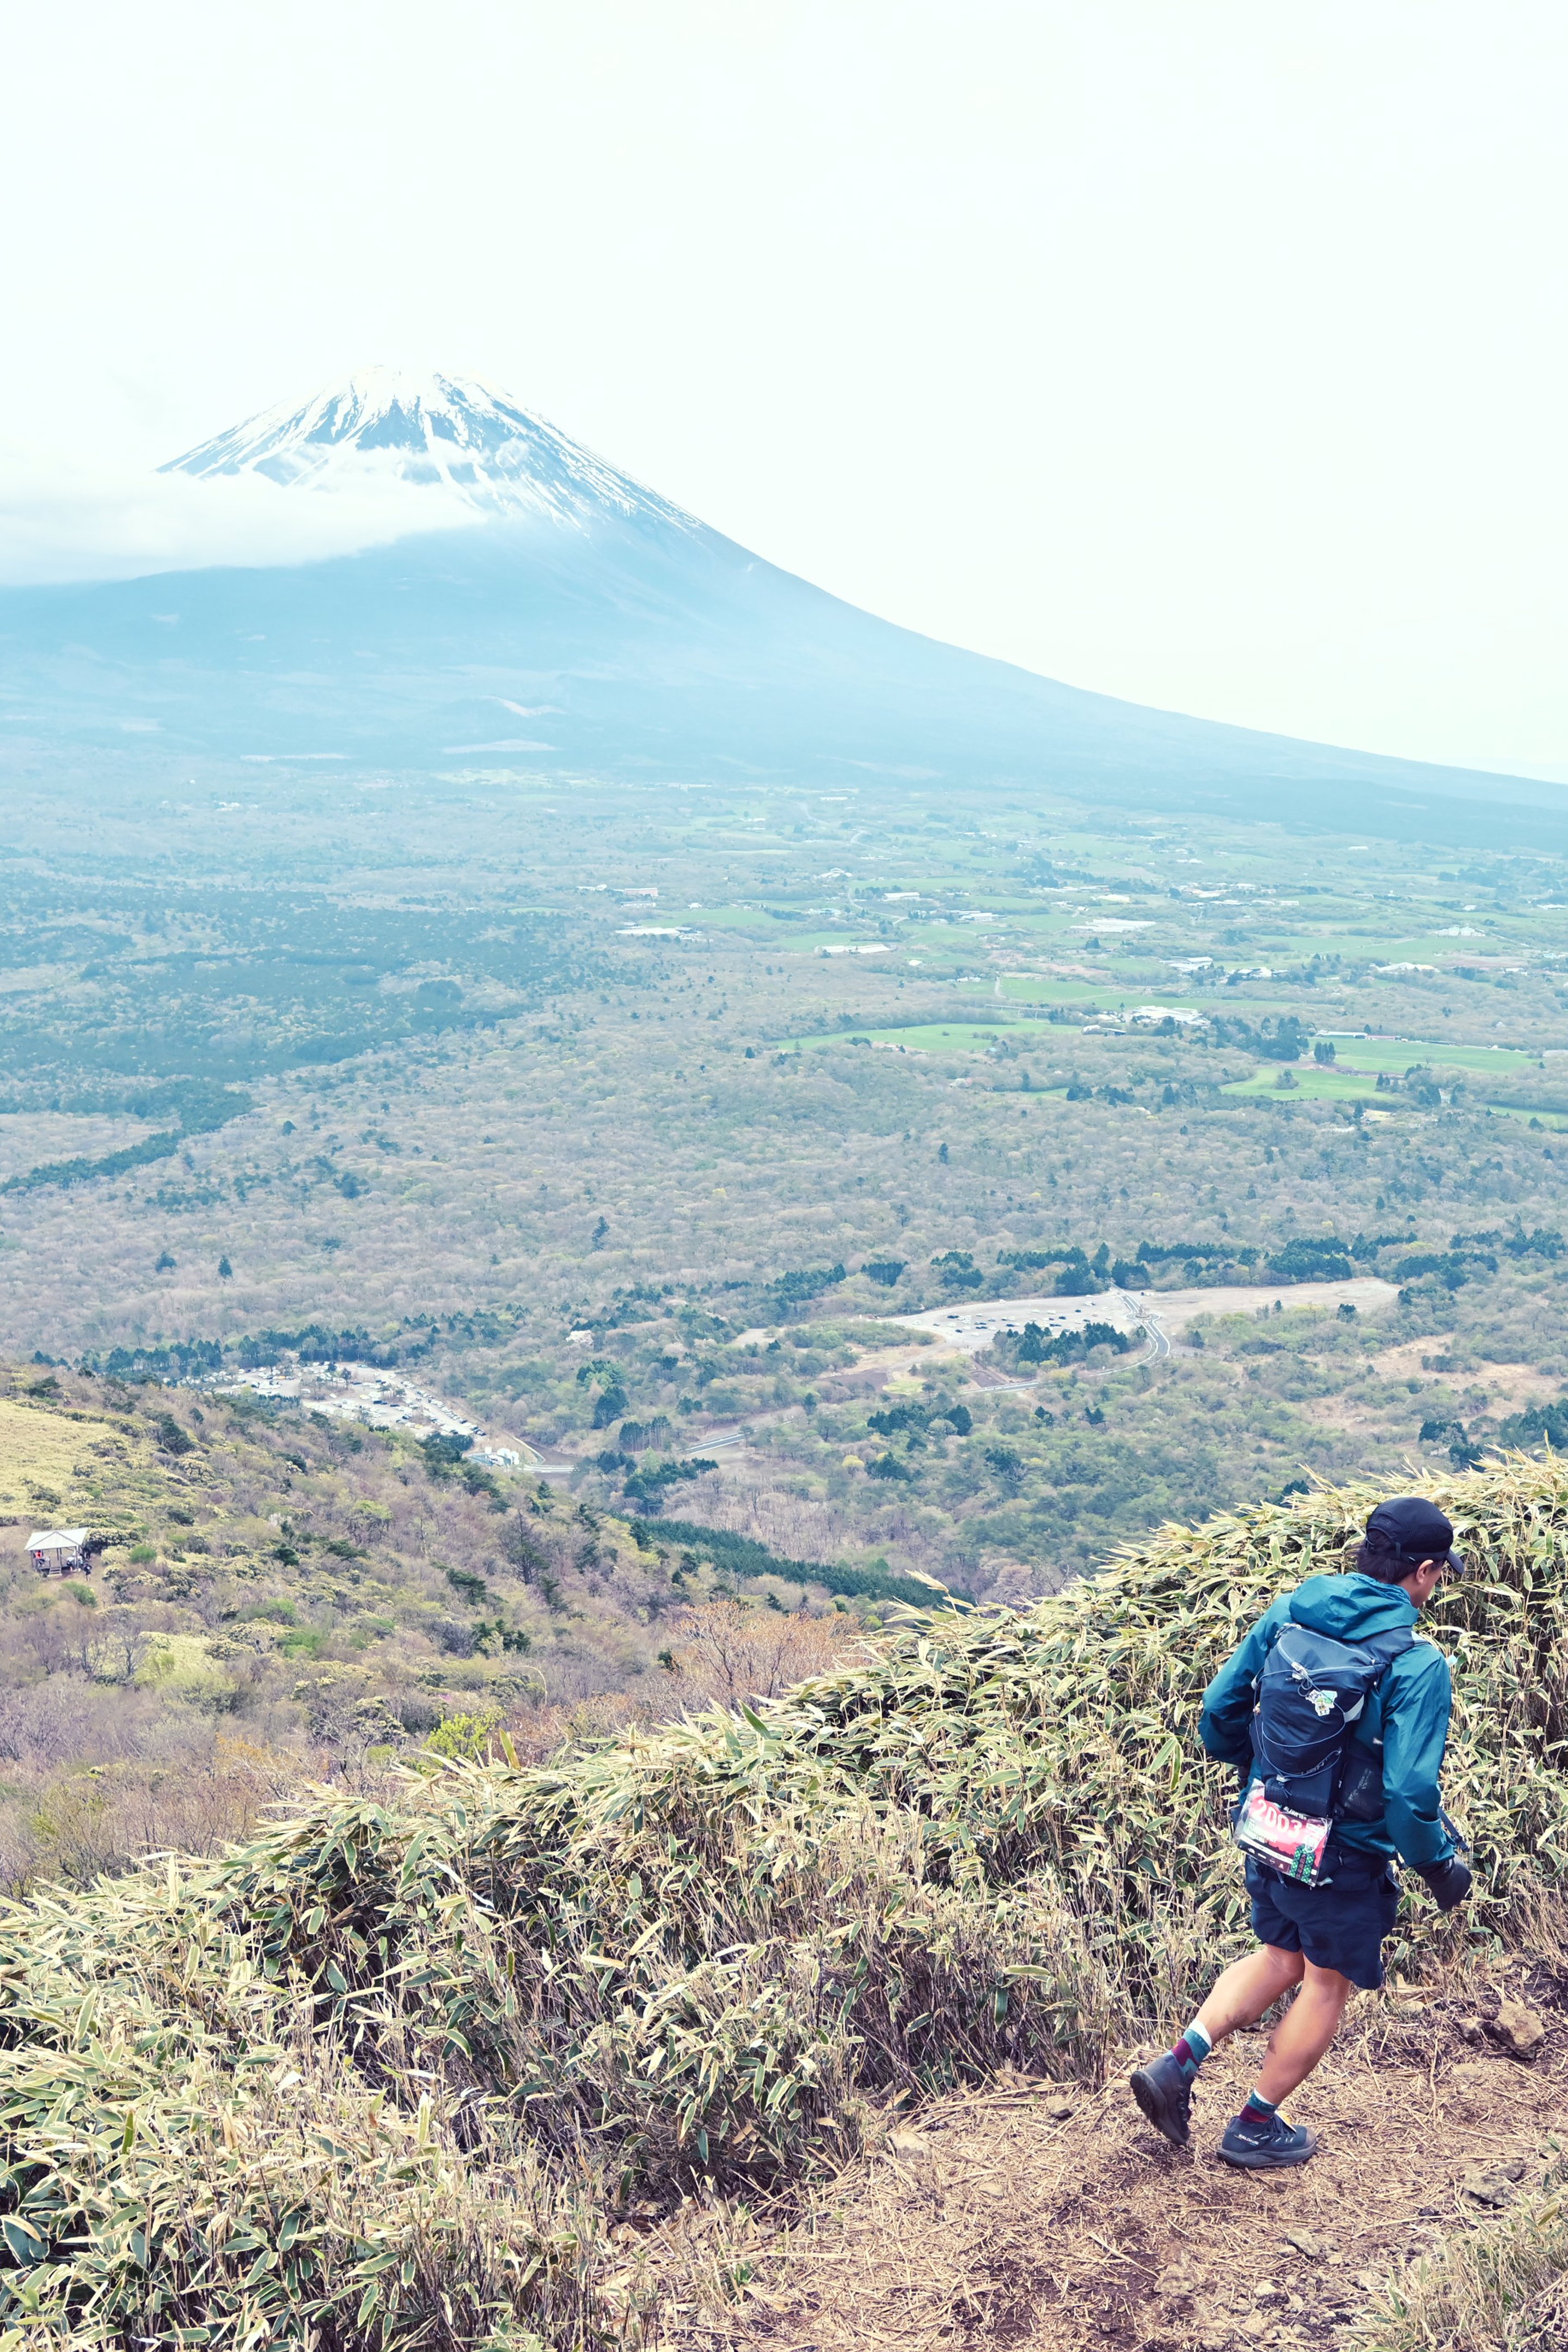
{"x": 388, "y": 2073}
{"x": 1501, "y": 2286}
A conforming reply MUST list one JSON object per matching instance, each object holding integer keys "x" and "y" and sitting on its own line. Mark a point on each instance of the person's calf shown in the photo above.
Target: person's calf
{"x": 1247, "y": 1989}
{"x": 1303, "y": 2034}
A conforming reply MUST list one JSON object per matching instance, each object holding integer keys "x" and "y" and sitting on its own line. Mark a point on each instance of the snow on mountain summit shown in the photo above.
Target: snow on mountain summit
{"x": 453, "y": 433}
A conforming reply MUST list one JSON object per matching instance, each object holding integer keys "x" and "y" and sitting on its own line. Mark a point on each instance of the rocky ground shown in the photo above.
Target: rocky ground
{"x": 1026, "y": 2216}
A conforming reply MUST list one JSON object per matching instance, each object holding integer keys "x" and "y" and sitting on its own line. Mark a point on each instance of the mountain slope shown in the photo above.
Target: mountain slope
{"x": 580, "y": 622}
{"x": 450, "y": 432}
{"x": 286, "y": 1592}
{"x": 425, "y": 2065}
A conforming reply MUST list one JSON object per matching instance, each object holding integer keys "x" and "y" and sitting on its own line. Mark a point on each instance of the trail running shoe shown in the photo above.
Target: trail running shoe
{"x": 1267, "y": 2143}
{"x": 1165, "y": 2095}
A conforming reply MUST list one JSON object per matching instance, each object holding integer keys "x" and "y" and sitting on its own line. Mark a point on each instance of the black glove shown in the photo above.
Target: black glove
{"x": 1450, "y": 1881}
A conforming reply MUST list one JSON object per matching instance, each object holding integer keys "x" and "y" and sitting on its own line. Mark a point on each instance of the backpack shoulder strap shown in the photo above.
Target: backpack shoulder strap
{"x": 1270, "y": 1645}
{"x": 1391, "y": 1646}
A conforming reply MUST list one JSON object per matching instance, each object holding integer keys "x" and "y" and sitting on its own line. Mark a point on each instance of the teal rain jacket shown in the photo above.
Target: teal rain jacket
{"x": 1408, "y": 1712}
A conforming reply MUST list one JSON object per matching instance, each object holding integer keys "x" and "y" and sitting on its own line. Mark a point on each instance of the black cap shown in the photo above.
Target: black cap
{"x": 1414, "y": 1527}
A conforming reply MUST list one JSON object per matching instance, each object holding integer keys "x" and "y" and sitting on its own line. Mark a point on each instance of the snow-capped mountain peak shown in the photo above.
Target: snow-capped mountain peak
{"x": 453, "y": 433}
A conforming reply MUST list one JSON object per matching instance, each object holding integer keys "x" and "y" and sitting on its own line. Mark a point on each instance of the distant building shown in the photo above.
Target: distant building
{"x": 57, "y": 1551}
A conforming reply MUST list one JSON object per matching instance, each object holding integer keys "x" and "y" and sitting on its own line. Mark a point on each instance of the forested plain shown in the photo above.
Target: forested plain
{"x": 631, "y": 1122}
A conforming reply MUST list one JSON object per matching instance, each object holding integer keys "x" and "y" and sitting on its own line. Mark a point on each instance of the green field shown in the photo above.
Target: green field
{"x": 960, "y": 1037}
{"x": 1401, "y": 1053}
{"x": 727, "y": 918}
{"x": 1354, "y": 1080}
{"x": 1113, "y": 989}
{"x": 1120, "y": 991}
{"x": 1312, "y": 1085}
{"x": 807, "y": 942}
{"x": 1345, "y": 1076}
{"x": 1515, "y": 1111}
{"x": 952, "y": 939}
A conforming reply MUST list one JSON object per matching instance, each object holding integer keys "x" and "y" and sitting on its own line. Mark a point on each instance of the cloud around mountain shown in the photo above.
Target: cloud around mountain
{"x": 374, "y": 575}
{"x": 73, "y": 524}
{"x": 381, "y": 457}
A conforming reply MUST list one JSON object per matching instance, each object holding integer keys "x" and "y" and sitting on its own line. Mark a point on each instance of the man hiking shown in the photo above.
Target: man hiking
{"x": 1336, "y": 1716}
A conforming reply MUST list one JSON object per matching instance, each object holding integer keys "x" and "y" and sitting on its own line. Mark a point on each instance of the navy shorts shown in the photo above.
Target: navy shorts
{"x": 1341, "y": 1926}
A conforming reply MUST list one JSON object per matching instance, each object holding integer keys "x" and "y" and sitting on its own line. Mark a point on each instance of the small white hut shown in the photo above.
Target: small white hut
{"x": 57, "y": 1551}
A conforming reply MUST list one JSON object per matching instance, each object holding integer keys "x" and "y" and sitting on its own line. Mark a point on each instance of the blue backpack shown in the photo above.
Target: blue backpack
{"x": 1312, "y": 1696}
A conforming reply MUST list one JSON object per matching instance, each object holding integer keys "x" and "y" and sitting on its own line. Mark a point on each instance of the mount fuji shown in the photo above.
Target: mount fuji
{"x": 436, "y": 432}
{"x": 528, "y": 579}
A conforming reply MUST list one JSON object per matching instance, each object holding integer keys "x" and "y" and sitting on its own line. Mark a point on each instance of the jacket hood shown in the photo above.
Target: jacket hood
{"x": 1350, "y": 1607}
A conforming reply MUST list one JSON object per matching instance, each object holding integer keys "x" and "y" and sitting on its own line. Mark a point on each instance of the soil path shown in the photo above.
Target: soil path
{"x": 1026, "y": 2216}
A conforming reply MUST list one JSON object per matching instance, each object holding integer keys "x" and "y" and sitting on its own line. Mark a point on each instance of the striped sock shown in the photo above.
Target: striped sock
{"x": 1192, "y": 2050}
{"x": 1258, "y": 2109}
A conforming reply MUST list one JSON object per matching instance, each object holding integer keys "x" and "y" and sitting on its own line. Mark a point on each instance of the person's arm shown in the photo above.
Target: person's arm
{"x": 1415, "y": 1733}
{"x": 1225, "y": 1727}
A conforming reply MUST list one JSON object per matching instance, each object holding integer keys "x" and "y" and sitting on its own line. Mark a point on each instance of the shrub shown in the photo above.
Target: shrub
{"x": 1032, "y": 1346}
{"x": 468, "y": 1587}
{"x": 742, "y": 1556}
{"x": 377, "y": 2077}
{"x": 887, "y": 1422}
{"x": 650, "y": 1485}
{"x": 1502, "y": 2286}
{"x": 465, "y": 1735}
{"x": 1078, "y": 1282}
{"x": 1327, "y": 1260}
{"x": 1538, "y": 1425}
{"x": 443, "y": 1450}
{"x": 806, "y": 1283}
{"x": 958, "y": 1270}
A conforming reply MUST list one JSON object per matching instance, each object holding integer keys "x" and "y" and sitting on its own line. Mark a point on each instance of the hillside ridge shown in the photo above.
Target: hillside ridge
{"x": 271, "y": 1597}
{"x": 409, "y": 2060}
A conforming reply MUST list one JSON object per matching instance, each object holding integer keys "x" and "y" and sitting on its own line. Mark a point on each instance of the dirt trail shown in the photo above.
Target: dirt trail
{"x": 1028, "y": 2216}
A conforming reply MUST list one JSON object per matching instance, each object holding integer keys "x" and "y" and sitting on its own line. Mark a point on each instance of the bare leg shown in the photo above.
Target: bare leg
{"x": 1304, "y": 2033}
{"x": 1249, "y": 1987}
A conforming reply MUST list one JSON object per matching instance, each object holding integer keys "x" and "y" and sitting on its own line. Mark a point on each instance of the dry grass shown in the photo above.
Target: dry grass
{"x": 510, "y": 2008}
{"x": 1022, "y": 2216}
{"x": 46, "y": 1469}
{"x": 720, "y": 1653}
{"x": 724, "y": 1655}
{"x": 1502, "y": 2287}
{"x": 86, "y": 1823}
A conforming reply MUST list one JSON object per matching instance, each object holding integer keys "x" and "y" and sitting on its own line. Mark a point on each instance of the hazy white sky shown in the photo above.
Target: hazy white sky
{"x": 1210, "y": 355}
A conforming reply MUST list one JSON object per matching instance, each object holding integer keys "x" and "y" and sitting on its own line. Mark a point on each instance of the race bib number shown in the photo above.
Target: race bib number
{"x": 1292, "y": 1844}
